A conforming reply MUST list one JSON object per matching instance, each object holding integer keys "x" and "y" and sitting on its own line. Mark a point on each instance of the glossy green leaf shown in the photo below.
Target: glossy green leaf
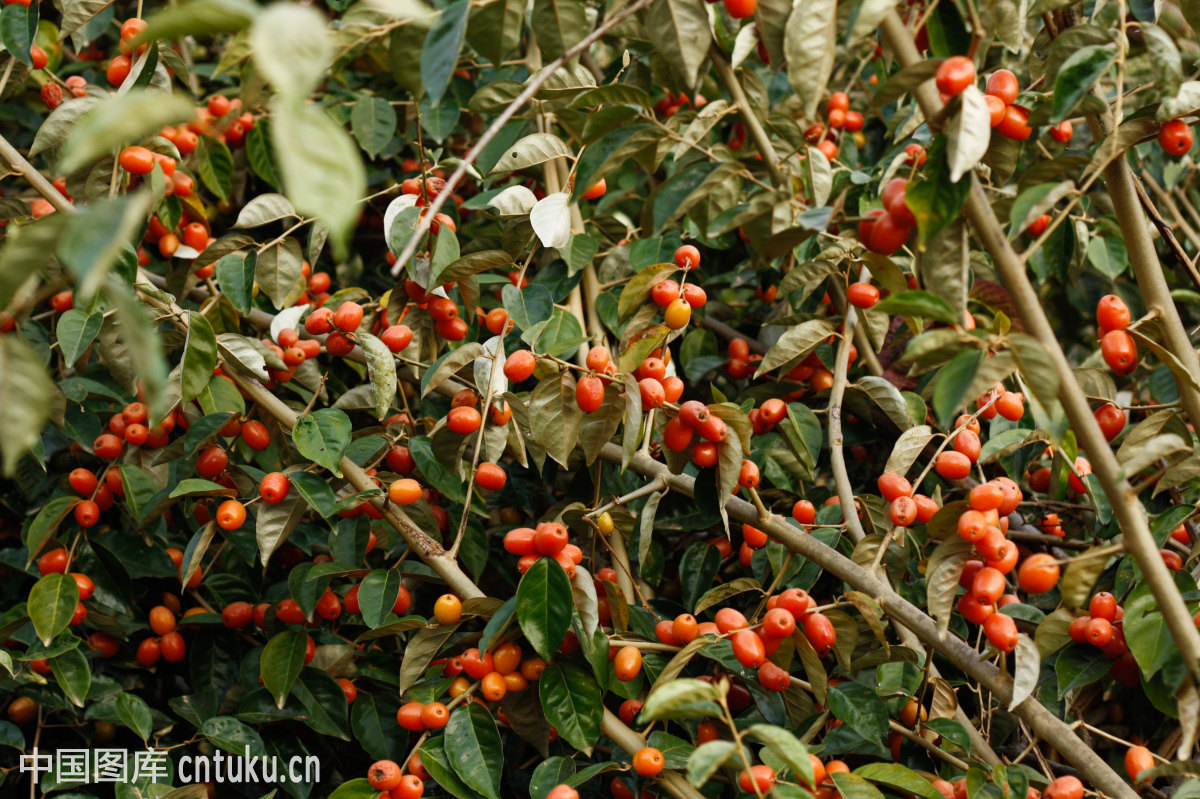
{"x": 377, "y": 595}
{"x": 573, "y": 703}
{"x": 544, "y": 604}
{"x": 443, "y": 44}
{"x": 52, "y": 602}
{"x": 322, "y": 436}
{"x": 73, "y": 674}
{"x": 474, "y": 749}
{"x": 282, "y": 659}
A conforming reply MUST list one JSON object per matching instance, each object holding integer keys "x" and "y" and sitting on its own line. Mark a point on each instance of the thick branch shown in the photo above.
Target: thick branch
{"x": 631, "y": 742}
{"x": 429, "y": 550}
{"x": 959, "y": 652}
{"x": 1129, "y": 511}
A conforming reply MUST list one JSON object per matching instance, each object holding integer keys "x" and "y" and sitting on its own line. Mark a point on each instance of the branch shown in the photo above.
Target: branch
{"x": 1148, "y": 272}
{"x": 959, "y": 652}
{"x": 862, "y": 338}
{"x": 44, "y": 187}
{"x": 498, "y": 124}
{"x": 1129, "y": 511}
{"x": 729, "y": 334}
{"x": 631, "y": 742}
{"x": 753, "y": 125}
{"x": 1164, "y": 229}
{"x": 837, "y": 455}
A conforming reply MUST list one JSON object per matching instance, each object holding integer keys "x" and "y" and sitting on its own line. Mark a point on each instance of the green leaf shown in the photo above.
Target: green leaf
{"x": 73, "y": 674}
{"x": 904, "y": 81}
{"x": 1026, "y": 671}
{"x": 433, "y": 470}
{"x": 61, "y": 122}
{"x": 381, "y": 367}
{"x": 377, "y": 595}
{"x": 278, "y": 272}
{"x": 809, "y": 44}
{"x": 18, "y": 28}
{"x": 558, "y": 25}
{"x": 420, "y": 650}
{"x": 232, "y": 735}
{"x": 682, "y": 35}
{"x": 373, "y": 719}
{"x": 1035, "y": 201}
{"x": 52, "y": 602}
{"x": 199, "y": 356}
{"x": 544, "y": 602}
{"x": 292, "y": 47}
{"x": 445, "y": 251}
{"x": 214, "y": 163}
{"x": 494, "y": 29}
{"x": 1146, "y": 630}
{"x": 548, "y": 774}
{"x": 135, "y": 714}
{"x": 258, "y": 151}
{"x": 321, "y": 170}
{"x": 680, "y": 699}
{"x": 472, "y": 264}
{"x": 1076, "y": 76}
{"x": 325, "y": 702}
{"x": 795, "y": 343}
{"x": 969, "y": 133}
{"x": 355, "y": 789}
{"x": 636, "y": 292}
{"x": 573, "y": 703}
{"x": 861, "y": 709}
{"x": 322, "y": 436}
{"x": 707, "y": 759}
{"x": 437, "y": 762}
{"x": 555, "y": 417}
{"x": 683, "y": 190}
{"x": 953, "y": 382}
{"x": 1079, "y": 665}
{"x": 76, "y": 331}
{"x": 721, "y": 593}
{"x": 443, "y": 44}
{"x": 697, "y": 570}
{"x": 125, "y": 117}
{"x": 264, "y": 209}
{"x": 534, "y": 149}
{"x": 923, "y": 304}
{"x": 1037, "y": 369}
{"x": 373, "y": 122}
{"x": 196, "y": 18}
{"x": 474, "y": 749}
{"x": 45, "y": 523}
{"x": 196, "y": 485}
{"x": 899, "y": 777}
{"x": 235, "y": 275}
{"x": 26, "y": 397}
{"x": 97, "y": 237}
{"x": 560, "y": 335}
{"x": 787, "y": 747}
{"x": 852, "y": 786}
{"x": 616, "y": 147}
{"x": 934, "y": 200}
{"x": 282, "y": 659}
